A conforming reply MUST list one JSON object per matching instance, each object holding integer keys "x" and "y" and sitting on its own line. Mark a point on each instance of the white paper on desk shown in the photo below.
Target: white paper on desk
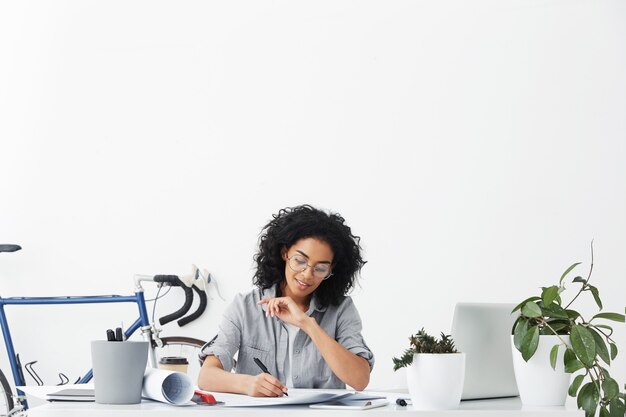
{"x": 167, "y": 386}
{"x": 296, "y": 397}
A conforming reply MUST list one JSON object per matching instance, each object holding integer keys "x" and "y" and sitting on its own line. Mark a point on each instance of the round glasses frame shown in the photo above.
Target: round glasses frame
{"x": 300, "y": 269}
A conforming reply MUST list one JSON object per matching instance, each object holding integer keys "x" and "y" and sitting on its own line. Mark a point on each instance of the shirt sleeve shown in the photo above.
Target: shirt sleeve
{"x": 349, "y": 329}
{"x": 228, "y": 339}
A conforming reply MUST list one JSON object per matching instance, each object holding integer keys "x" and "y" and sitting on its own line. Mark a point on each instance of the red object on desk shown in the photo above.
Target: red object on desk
{"x": 204, "y": 397}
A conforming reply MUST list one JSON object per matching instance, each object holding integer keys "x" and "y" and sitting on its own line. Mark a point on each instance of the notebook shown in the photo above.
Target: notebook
{"x": 483, "y": 332}
{"x": 72, "y": 394}
{"x": 351, "y": 404}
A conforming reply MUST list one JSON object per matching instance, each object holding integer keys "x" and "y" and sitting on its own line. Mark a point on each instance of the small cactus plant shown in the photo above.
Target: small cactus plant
{"x": 422, "y": 342}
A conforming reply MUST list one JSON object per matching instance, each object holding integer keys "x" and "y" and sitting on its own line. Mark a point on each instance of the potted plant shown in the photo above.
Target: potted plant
{"x": 435, "y": 371}
{"x": 576, "y": 344}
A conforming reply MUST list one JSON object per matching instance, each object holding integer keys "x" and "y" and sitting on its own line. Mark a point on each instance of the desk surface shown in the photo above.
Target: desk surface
{"x": 505, "y": 407}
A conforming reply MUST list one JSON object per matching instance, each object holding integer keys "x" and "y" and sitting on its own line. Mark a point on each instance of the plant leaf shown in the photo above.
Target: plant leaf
{"x": 610, "y": 388}
{"x": 567, "y": 271}
{"x": 572, "y": 364}
{"x": 610, "y": 316}
{"x": 572, "y": 314}
{"x": 573, "y": 389}
{"x": 545, "y": 330}
{"x": 530, "y": 342}
{"x": 517, "y": 320}
{"x": 579, "y": 279}
{"x": 613, "y": 351}
{"x": 549, "y": 294}
{"x": 604, "y": 412}
{"x": 520, "y": 331}
{"x": 553, "y": 353}
{"x": 588, "y": 399}
{"x": 555, "y": 311}
{"x": 583, "y": 344}
{"x": 558, "y": 299}
{"x": 558, "y": 325}
{"x": 596, "y": 296}
{"x": 617, "y": 408}
{"x": 601, "y": 348}
{"x": 530, "y": 309}
{"x": 534, "y": 298}
{"x": 405, "y": 360}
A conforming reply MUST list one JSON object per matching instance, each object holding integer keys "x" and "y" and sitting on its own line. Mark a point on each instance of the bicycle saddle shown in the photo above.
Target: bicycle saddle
{"x": 9, "y": 248}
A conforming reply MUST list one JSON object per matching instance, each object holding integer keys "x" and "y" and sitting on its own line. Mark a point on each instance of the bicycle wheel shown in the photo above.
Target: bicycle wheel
{"x": 186, "y": 347}
{"x": 6, "y": 396}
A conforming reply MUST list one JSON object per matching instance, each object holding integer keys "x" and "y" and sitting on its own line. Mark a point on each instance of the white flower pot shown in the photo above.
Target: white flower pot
{"x": 538, "y": 383}
{"x": 435, "y": 381}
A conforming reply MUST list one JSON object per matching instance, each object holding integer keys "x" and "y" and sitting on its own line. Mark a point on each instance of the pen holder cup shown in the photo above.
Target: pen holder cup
{"x": 174, "y": 363}
{"x": 118, "y": 369}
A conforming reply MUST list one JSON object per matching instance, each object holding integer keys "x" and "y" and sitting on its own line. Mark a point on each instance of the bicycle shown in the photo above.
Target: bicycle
{"x": 15, "y": 404}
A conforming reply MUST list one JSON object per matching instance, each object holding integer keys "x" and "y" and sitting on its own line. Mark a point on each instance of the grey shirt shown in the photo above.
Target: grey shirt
{"x": 245, "y": 329}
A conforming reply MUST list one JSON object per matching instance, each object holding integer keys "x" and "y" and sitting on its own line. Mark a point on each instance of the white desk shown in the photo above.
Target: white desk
{"x": 506, "y": 407}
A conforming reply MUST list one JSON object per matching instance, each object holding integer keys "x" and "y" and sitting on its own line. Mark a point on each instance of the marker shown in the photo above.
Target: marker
{"x": 264, "y": 369}
{"x": 110, "y": 336}
{"x": 118, "y": 334}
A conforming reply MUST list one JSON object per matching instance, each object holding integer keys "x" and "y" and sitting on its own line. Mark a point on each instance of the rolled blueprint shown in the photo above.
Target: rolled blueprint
{"x": 167, "y": 386}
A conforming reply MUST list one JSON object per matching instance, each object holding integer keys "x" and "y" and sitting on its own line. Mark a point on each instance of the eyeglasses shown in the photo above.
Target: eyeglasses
{"x": 298, "y": 263}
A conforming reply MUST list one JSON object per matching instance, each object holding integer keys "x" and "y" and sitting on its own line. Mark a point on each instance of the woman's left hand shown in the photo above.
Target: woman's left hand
{"x": 285, "y": 309}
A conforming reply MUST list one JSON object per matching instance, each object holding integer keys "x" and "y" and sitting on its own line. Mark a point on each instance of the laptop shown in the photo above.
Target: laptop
{"x": 483, "y": 332}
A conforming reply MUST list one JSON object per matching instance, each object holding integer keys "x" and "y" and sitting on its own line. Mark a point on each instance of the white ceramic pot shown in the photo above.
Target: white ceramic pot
{"x": 435, "y": 380}
{"x": 538, "y": 383}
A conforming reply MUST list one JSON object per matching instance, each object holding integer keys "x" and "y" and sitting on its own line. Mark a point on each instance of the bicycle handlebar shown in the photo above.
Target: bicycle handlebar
{"x": 199, "y": 310}
{"x": 9, "y": 248}
{"x": 175, "y": 281}
{"x": 170, "y": 279}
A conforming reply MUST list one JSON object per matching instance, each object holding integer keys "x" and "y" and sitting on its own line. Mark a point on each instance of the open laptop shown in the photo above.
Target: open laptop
{"x": 483, "y": 332}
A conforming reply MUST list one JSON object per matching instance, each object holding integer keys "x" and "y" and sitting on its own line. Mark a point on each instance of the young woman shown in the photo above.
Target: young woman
{"x": 298, "y": 322}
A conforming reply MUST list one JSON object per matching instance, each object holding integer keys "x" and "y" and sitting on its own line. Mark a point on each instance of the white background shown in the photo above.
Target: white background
{"x": 477, "y": 147}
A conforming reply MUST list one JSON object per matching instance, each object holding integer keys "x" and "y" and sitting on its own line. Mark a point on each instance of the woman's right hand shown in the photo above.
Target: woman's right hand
{"x": 265, "y": 385}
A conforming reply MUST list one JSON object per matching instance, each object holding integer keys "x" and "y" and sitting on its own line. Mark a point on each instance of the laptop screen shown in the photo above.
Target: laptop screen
{"x": 483, "y": 332}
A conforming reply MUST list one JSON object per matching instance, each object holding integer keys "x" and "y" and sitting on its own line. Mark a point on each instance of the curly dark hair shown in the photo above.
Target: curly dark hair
{"x": 294, "y": 223}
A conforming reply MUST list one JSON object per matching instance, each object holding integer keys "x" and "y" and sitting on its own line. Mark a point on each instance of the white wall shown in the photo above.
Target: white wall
{"x": 477, "y": 147}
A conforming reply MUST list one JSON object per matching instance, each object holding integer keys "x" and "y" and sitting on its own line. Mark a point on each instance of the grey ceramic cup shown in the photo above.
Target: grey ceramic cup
{"x": 118, "y": 369}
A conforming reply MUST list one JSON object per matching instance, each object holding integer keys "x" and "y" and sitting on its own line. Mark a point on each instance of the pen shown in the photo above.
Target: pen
{"x": 403, "y": 402}
{"x": 264, "y": 369}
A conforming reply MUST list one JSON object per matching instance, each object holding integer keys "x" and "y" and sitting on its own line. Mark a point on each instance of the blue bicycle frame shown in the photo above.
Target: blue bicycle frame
{"x": 148, "y": 331}
{"x": 142, "y": 322}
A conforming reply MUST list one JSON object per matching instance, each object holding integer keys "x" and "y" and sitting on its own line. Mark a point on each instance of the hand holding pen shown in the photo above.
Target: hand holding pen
{"x": 265, "y": 385}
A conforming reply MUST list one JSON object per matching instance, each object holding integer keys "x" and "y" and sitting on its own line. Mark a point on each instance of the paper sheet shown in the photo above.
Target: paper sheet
{"x": 296, "y": 397}
{"x": 167, "y": 386}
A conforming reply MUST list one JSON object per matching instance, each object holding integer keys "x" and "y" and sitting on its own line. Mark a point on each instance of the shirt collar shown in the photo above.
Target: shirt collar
{"x": 315, "y": 305}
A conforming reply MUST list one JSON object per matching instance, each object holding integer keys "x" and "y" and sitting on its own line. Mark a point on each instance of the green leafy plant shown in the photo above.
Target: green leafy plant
{"x": 592, "y": 347}
{"x": 422, "y": 342}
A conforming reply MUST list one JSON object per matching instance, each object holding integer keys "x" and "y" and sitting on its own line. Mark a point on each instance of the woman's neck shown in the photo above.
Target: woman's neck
{"x": 302, "y": 302}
